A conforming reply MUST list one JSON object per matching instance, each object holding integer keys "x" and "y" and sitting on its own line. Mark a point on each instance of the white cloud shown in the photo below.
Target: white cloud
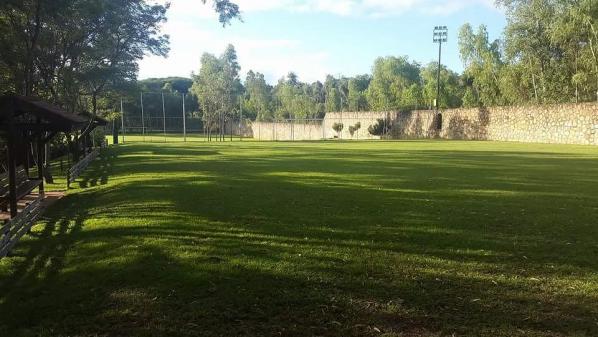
{"x": 374, "y": 8}
{"x": 273, "y": 57}
{"x": 337, "y": 7}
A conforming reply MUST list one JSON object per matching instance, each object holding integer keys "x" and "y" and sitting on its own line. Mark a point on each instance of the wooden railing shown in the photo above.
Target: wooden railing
{"x": 73, "y": 173}
{"x": 12, "y": 230}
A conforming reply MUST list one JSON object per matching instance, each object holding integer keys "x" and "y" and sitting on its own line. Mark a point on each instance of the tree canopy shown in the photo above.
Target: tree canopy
{"x": 75, "y": 53}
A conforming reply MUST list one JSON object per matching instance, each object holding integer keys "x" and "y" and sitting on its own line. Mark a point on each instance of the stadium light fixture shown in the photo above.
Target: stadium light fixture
{"x": 440, "y": 37}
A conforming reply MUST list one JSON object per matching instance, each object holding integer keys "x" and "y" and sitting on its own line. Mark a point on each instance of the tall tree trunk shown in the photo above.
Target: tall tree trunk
{"x": 30, "y": 56}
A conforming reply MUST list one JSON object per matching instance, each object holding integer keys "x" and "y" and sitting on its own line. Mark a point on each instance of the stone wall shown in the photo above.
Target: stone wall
{"x": 320, "y": 129}
{"x": 366, "y": 119}
{"x": 562, "y": 123}
{"x": 281, "y": 131}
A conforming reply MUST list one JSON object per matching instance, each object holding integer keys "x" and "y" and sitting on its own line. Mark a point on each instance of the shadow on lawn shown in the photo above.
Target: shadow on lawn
{"x": 100, "y": 171}
{"x": 418, "y": 250}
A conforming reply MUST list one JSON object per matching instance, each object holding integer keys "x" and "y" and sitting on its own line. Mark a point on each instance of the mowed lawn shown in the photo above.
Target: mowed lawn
{"x": 410, "y": 238}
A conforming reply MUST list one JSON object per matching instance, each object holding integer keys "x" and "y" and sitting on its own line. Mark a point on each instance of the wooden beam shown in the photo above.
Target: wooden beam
{"x": 12, "y": 170}
{"x": 40, "y": 164}
{"x": 36, "y": 127}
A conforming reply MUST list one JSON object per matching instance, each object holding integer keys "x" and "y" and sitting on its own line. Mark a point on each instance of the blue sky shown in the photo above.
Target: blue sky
{"x": 318, "y": 37}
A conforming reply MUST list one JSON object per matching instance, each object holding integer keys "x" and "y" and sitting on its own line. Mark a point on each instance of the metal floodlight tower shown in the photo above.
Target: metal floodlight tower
{"x": 440, "y": 37}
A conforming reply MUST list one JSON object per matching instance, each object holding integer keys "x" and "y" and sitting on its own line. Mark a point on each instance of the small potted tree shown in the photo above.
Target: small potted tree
{"x": 356, "y": 127}
{"x": 338, "y": 127}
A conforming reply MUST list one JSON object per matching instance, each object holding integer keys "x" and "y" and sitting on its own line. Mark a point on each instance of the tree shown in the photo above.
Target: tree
{"x": 552, "y": 45}
{"x": 380, "y": 128}
{"x": 483, "y": 65}
{"x": 451, "y": 90}
{"x": 206, "y": 89}
{"x": 231, "y": 87}
{"x": 575, "y": 31}
{"x": 68, "y": 50}
{"x": 295, "y": 99}
{"x": 357, "y": 88}
{"x": 354, "y": 128}
{"x": 258, "y": 98}
{"x": 72, "y": 50}
{"x": 391, "y": 76}
{"x": 338, "y": 127}
{"x": 226, "y": 10}
{"x": 218, "y": 89}
{"x": 333, "y": 97}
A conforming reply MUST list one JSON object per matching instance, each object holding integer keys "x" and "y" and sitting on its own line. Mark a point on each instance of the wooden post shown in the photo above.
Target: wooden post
{"x": 40, "y": 165}
{"x": 76, "y": 148}
{"x": 12, "y": 170}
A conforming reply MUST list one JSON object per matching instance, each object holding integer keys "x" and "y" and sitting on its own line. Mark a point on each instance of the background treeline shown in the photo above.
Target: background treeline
{"x": 396, "y": 83}
{"x": 547, "y": 54}
{"x": 83, "y": 55}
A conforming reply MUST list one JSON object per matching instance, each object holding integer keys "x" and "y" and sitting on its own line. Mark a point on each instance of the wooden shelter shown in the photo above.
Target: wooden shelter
{"x": 27, "y": 122}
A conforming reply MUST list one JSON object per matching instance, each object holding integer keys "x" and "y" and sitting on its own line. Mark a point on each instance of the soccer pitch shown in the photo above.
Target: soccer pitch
{"x": 408, "y": 238}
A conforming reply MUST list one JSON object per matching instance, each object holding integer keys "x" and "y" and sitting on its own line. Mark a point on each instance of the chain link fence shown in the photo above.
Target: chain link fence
{"x": 159, "y": 117}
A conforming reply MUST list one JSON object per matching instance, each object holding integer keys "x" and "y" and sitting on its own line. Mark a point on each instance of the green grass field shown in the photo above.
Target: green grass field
{"x": 419, "y": 238}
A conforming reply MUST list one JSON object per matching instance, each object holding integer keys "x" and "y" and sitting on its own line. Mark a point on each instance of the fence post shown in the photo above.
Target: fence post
{"x": 122, "y": 119}
{"x": 184, "y": 121}
{"x": 163, "y": 117}
{"x": 240, "y": 119}
{"x": 142, "y": 118}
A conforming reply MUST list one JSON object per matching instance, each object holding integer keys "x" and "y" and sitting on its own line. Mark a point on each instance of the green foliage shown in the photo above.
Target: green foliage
{"x": 338, "y": 127}
{"x": 357, "y": 88}
{"x": 391, "y": 77}
{"x": 181, "y": 85}
{"x": 483, "y": 65}
{"x": 548, "y": 54}
{"x": 218, "y": 88}
{"x": 295, "y": 99}
{"x": 81, "y": 53}
{"x": 451, "y": 90}
{"x": 227, "y": 10}
{"x": 257, "y": 98}
{"x": 333, "y": 96}
{"x": 72, "y": 52}
{"x": 381, "y": 127}
{"x": 354, "y": 128}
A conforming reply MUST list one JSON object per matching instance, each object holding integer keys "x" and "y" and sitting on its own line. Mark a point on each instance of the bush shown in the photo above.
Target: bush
{"x": 338, "y": 127}
{"x": 351, "y": 130}
{"x": 354, "y": 128}
{"x": 381, "y": 128}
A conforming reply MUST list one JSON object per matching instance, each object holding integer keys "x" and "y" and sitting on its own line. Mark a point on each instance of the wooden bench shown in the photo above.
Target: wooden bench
{"x": 25, "y": 186}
